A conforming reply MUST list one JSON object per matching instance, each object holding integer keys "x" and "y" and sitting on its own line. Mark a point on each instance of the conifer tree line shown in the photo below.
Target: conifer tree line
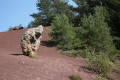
{"x": 93, "y": 23}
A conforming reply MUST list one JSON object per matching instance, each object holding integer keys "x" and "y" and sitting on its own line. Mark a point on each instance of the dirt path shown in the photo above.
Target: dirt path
{"x": 51, "y": 65}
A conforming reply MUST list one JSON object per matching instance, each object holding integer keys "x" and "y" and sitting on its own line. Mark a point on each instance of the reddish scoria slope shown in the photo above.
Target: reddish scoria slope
{"x": 51, "y": 65}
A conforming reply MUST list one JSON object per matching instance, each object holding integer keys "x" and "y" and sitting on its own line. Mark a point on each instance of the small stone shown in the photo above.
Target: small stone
{"x": 23, "y": 62}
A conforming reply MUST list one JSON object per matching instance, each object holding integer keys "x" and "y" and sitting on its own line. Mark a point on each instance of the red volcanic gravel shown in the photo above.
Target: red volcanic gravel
{"x": 51, "y": 65}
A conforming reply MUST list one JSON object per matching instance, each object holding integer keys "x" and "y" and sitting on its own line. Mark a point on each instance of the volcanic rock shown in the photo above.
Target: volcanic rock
{"x": 18, "y": 27}
{"x": 31, "y": 40}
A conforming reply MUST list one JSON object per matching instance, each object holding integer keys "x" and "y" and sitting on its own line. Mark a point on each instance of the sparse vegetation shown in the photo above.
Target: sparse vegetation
{"x": 75, "y": 77}
{"x": 117, "y": 70}
{"x": 74, "y": 53}
{"x": 100, "y": 63}
{"x": 100, "y": 78}
{"x": 117, "y": 66}
{"x": 10, "y": 29}
{"x": 34, "y": 56}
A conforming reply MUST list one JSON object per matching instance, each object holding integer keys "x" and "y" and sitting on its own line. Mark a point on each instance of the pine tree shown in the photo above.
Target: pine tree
{"x": 112, "y": 17}
{"x": 96, "y": 33}
{"x": 49, "y": 8}
{"x": 62, "y": 32}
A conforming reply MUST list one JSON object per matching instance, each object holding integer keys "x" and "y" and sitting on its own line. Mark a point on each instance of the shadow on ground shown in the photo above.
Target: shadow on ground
{"x": 17, "y": 54}
{"x": 48, "y": 43}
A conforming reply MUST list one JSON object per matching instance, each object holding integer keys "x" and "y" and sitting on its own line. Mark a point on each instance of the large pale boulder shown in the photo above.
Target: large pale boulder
{"x": 31, "y": 40}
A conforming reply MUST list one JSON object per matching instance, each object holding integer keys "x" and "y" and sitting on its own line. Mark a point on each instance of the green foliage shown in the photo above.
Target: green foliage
{"x": 62, "y": 32}
{"x": 100, "y": 63}
{"x": 100, "y": 78}
{"x": 75, "y": 77}
{"x": 10, "y": 29}
{"x": 95, "y": 33}
{"x": 117, "y": 42}
{"x": 112, "y": 16}
{"x": 32, "y": 24}
{"x": 48, "y": 9}
{"x": 113, "y": 8}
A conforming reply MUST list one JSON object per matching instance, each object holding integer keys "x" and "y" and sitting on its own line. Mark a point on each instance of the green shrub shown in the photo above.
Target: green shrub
{"x": 62, "y": 32}
{"x": 100, "y": 78}
{"x": 75, "y": 77}
{"x": 99, "y": 62}
{"x": 117, "y": 70}
{"x": 10, "y": 29}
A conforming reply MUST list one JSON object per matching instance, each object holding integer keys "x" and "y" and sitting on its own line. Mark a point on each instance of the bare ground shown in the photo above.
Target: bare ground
{"x": 51, "y": 65}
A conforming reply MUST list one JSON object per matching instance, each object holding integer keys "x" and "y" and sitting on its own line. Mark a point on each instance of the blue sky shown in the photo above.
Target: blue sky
{"x": 15, "y": 12}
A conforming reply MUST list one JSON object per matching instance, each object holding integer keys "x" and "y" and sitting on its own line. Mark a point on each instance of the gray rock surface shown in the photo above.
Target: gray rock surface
{"x": 31, "y": 40}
